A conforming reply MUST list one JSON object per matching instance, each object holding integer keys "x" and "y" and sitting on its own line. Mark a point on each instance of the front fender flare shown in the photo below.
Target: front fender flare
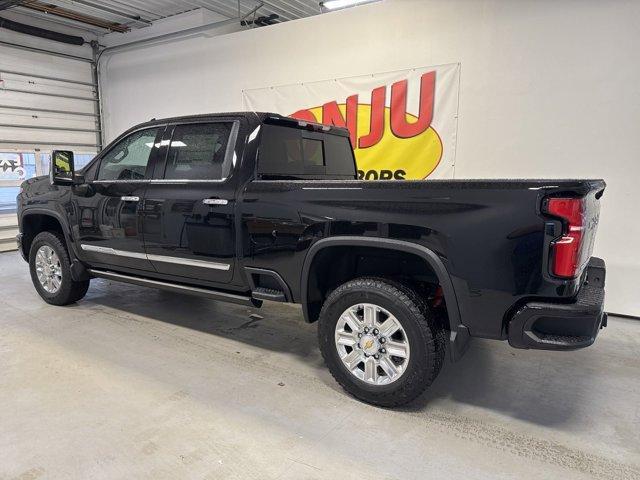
{"x": 66, "y": 229}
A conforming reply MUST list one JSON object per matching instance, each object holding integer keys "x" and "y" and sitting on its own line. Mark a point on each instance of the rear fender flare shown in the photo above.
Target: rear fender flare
{"x": 459, "y": 336}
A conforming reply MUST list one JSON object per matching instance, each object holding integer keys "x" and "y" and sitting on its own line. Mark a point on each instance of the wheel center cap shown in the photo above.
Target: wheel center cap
{"x": 369, "y": 344}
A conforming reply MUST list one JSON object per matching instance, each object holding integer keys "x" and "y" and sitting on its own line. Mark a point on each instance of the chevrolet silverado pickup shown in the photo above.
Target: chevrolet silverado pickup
{"x": 248, "y": 207}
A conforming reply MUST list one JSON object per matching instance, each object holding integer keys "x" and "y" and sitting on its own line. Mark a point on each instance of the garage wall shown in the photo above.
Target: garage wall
{"x": 548, "y": 89}
{"x": 32, "y": 83}
{"x": 35, "y": 88}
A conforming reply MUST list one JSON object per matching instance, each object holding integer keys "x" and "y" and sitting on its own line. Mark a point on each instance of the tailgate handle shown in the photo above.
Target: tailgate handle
{"x": 215, "y": 201}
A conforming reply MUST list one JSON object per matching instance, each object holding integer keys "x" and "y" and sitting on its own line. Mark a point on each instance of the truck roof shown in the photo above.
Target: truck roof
{"x": 253, "y": 118}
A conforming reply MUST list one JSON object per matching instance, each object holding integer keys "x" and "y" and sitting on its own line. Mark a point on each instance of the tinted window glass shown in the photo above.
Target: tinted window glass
{"x": 198, "y": 152}
{"x": 340, "y": 160}
{"x": 312, "y": 152}
{"x": 290, "y": 152}
{"x": 285, "y": 151}
{"x": 280, "y": 151}
{"x": 128, "y": 159}
{"x": 292, "y": 157}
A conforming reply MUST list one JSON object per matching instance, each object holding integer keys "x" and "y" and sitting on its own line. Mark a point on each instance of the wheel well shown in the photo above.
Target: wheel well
{"x": 332, "y": 266}
{"x": 35, "y": 223}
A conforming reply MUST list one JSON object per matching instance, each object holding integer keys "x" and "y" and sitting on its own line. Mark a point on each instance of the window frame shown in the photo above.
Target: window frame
{"x": 167, "y": 138}
{"x": 150, "y": 162}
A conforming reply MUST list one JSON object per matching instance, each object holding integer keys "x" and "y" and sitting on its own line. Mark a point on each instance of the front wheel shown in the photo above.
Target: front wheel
{"x": 380, "y": 341}
{"x": 50, "y": 269}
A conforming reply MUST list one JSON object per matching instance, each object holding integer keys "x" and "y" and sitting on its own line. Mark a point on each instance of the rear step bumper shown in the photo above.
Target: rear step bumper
{"x": 563, "y": 326}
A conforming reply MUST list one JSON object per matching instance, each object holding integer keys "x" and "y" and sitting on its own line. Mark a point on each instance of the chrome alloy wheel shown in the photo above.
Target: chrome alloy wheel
{"x": 48, "y": 269}
{"x": 372, "y": 344}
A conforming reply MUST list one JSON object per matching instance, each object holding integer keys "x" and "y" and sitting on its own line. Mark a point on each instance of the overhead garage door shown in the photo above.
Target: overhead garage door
{"x": 47, "y": 102}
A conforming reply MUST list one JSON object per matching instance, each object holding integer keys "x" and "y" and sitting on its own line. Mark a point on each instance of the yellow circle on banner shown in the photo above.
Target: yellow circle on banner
{"x": 412, "y": 158}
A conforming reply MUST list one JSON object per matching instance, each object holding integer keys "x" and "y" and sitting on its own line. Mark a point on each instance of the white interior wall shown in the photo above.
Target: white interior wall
{"x": 548, "y": 89}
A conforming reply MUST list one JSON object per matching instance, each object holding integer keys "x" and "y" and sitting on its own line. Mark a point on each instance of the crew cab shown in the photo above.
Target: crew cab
{"x": 248, "y": 207}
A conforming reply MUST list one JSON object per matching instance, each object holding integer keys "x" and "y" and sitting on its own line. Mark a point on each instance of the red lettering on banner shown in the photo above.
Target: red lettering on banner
{"x": 331, "y": 115}
{"x": 376, "y": 121}
{"x": 399, "y": 125}
{"x": 304, "y": 115}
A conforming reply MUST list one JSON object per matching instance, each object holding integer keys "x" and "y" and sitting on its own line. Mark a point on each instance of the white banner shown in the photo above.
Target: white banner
{"x": 403, "y": 124}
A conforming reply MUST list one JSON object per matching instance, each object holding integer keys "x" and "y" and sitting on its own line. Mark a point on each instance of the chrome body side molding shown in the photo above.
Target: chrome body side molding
{"x": 113, "y": 251}
{"x": 189, "y": 262}
{"x": 157, "y": 258}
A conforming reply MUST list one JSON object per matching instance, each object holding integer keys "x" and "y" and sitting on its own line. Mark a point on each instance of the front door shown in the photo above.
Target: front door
{"x": 110, "y": 212}
{"x": 189, "y": 205}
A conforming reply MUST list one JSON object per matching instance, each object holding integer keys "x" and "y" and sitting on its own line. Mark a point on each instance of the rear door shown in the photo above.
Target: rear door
{"x": 109, "y": 213}
{"x": 189, "y": 205}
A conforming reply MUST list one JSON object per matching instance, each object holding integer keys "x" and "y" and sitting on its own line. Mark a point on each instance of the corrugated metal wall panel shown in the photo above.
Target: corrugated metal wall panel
{"x": 39, "y": 113}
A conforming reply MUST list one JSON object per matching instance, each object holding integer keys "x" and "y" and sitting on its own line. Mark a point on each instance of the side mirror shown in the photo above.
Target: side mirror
{"x": 62, "y": 169}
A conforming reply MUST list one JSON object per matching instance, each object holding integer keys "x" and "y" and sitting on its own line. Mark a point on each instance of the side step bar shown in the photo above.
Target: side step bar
{"x": 262, "y": 293}
{"x": 178, "y": 288}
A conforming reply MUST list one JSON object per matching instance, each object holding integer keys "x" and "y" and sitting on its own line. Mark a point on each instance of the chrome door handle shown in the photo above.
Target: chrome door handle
{"x": 215, "y": 201}
{"x": 130, "y": 199}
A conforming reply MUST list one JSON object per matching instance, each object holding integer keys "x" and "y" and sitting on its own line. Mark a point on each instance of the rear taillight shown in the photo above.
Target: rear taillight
{"x": 567, "y": 251}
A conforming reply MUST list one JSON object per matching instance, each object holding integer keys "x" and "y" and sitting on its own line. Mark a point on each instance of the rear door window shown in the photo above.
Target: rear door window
{"x": 199, "y": 152}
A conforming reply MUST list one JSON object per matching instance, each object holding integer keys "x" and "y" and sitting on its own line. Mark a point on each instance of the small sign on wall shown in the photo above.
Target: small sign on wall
{"x": 11, "y": 166}
{"x": 402, "y": 124}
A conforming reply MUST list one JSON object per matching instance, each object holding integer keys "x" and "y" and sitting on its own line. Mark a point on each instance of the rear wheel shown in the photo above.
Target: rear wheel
{"x": 50, "y": 269}
{"x": 380, "y": 341}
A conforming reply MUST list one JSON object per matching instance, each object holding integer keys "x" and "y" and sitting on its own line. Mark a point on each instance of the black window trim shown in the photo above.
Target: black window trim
{"x": 228, "y": 154}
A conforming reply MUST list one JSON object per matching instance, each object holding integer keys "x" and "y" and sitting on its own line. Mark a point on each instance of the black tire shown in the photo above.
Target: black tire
{"x": 70, "y": 290}
{"x": 426, "y": 338}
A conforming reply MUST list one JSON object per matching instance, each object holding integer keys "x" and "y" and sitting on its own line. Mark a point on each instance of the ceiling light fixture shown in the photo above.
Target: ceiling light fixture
{"x": 337, "y": 4}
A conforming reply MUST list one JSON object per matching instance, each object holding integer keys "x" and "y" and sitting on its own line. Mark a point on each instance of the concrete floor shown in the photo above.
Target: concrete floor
{"x": 137, "y": 383}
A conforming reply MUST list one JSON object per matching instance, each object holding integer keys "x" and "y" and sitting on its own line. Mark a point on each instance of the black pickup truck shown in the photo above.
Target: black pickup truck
{"x": 247, "y": 207}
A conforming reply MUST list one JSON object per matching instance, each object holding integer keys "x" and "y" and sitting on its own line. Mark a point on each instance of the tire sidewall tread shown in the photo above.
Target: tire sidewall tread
{"x": 70, "y": 291}
{"x": 427, "y": 339}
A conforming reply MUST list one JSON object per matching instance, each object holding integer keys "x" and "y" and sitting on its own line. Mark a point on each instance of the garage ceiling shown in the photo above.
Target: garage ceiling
{"x": 121, "y": 15}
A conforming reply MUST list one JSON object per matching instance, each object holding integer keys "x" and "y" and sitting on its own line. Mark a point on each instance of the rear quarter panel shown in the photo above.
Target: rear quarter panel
{"x": 490, "y": 235}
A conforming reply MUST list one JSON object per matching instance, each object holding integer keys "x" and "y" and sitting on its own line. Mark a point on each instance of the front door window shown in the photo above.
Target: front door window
{"x": 128, "y": 159}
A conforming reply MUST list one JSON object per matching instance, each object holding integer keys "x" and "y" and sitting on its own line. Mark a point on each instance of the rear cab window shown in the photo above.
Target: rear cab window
{"x": 288, "y": 152}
